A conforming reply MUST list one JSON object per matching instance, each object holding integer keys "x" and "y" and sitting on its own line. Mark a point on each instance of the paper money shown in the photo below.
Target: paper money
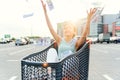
{"x": 50, "y": 4}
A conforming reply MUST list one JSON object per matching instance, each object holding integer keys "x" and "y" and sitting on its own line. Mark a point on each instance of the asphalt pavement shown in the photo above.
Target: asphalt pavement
{"x": 104, "y": 60}
{"x": 10, "y": 57}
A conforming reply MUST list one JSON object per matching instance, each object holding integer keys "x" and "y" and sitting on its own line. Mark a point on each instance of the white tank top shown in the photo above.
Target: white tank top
{"x": 66, "y": 48}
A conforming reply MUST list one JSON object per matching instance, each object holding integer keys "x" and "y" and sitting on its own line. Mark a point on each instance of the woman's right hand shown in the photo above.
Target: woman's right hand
{"x": 54, "y": 34}
{"x": 91, "y": 12}
{"x": 44, "y": 6}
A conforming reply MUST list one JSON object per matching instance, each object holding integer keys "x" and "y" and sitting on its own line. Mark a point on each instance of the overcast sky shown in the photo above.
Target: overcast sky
{"x": 12, "y": 11}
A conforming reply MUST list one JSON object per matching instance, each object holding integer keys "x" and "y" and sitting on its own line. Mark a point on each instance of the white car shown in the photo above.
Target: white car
{"x": 20, "y": 42}
{"x": 93, "y": 39}
{"x": 3, "y": 41}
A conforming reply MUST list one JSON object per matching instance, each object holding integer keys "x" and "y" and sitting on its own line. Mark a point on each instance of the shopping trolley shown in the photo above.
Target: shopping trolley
{"x": 73, "y": 67}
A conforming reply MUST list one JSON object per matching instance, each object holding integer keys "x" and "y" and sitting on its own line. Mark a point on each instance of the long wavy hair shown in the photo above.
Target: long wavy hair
{"x": 73, "y": 25}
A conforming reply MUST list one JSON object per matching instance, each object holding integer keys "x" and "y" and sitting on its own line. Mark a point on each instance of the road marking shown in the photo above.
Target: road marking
{"x": 114, "y": 48}
{"x": 117, "y": 58}
{"x": 12, "y": 53}
{"x": 107, "y": 77}
{"x": 5, "y": 48}
{"x": 12, "y": 60}
{"x": 102, "y": 51}
{"x": 13, "y": 78}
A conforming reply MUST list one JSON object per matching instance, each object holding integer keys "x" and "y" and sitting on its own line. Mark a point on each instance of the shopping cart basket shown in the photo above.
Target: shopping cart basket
{"x": 73, "y": 67}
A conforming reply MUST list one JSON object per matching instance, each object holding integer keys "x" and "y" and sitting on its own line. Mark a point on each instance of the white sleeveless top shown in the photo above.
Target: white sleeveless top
{"x": 66, "y": 48}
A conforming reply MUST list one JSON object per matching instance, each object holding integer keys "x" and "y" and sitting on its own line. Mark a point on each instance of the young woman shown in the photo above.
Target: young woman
{"x": 68, "y": 44}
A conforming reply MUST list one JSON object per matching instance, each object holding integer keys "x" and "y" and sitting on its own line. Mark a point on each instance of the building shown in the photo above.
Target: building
{"x": 107, "y": 23}
{"x": 116, "y": 28}
{"x": 111, "y": 24}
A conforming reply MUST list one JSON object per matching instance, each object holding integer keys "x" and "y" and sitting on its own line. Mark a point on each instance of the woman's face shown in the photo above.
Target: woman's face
{"x": 68, "y": 30}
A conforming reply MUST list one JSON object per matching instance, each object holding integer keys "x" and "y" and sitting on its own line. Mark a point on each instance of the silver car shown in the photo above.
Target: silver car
{"x": 20, "y": 42}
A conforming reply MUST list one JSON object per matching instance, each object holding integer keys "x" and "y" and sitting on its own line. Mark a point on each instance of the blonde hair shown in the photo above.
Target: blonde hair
{"x": 72, "y": 24}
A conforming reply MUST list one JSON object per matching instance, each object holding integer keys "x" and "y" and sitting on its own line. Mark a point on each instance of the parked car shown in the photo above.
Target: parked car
{"x": 20, "y": 42}
{"x": 118, "y": 39}
{"x": 93, "y": 39}
{"x": 115, "y": 39}
{"x": 104, "y": 37}
{"x": 3, "y": 41}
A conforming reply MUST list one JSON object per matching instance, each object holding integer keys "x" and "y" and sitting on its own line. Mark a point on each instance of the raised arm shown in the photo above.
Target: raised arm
{"x": 86, "y": 30}
{"x": 54, "y": 34}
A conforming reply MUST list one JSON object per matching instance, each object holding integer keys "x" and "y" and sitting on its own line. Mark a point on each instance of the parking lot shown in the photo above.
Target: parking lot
{"x": 104, "y": 60}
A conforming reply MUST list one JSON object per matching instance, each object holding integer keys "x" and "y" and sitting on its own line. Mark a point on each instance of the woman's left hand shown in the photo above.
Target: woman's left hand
{"x": 91, "y": 13}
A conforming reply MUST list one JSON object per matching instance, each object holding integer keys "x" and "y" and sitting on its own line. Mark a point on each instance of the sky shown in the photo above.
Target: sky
{"x": 12, "y": 11}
